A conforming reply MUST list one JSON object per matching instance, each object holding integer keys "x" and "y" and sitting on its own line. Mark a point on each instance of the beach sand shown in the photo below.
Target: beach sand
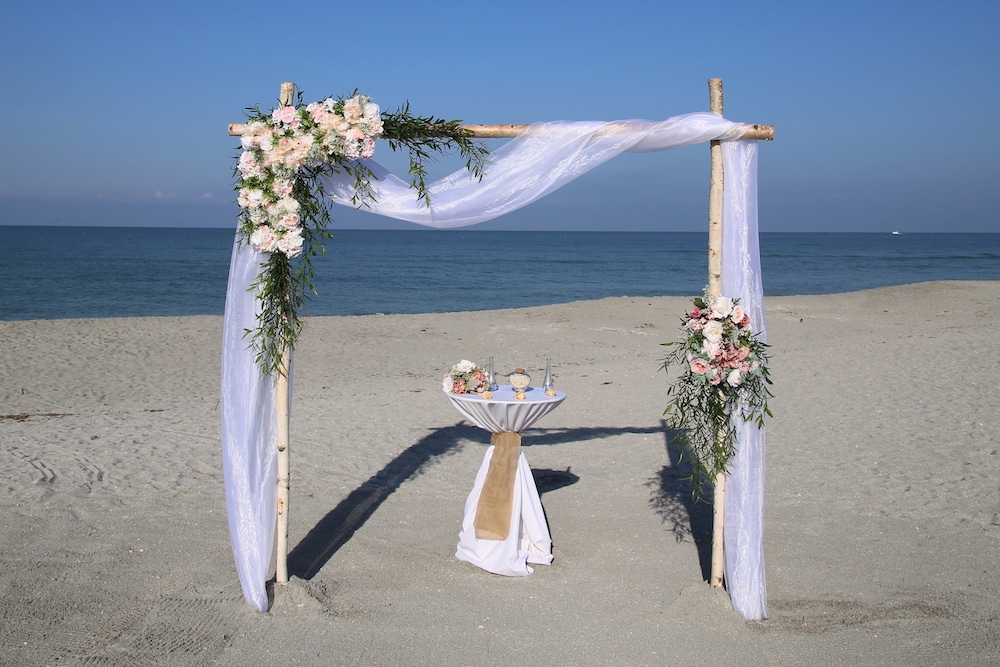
{"x": 882, "y": 522}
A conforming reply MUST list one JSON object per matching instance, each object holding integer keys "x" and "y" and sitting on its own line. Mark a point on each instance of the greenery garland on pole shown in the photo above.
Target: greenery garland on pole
{"x": 284, "y": 211}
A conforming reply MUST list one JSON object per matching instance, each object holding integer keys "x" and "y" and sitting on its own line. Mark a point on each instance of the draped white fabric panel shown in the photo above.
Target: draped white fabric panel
{"x": 249, "y": 457}
{"x": 543, "y": 158}
{"x": 744, "y": 505}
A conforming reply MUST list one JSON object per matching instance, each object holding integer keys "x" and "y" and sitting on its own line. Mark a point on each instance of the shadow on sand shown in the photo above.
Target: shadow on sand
{"x": 671, "y": 495}
{"x": 672, "y": 500}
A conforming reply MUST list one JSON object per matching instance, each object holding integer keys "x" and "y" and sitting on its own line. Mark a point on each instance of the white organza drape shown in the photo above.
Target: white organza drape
{"x": 744, "y": 506}
{"x": 249, "y": 457}
{"x": 541, "y": 159}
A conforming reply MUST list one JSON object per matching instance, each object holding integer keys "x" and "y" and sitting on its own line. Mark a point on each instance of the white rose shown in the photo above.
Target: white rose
{"x": 465, "y": 366}
{"x": 713, "y": 331}
{"x": 243, "y": 199}
{"x": 287, "y": 205}
{"x": 255, "y": 197}
{"x": 265, "y": 141}
{"x": 722, "y": 307}
{"x": 734, "y": 379}
{"x": 352, "y": 109}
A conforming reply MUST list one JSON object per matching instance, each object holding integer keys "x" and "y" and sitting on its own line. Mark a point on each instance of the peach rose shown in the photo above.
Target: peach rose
{"x": 699, "y": 366}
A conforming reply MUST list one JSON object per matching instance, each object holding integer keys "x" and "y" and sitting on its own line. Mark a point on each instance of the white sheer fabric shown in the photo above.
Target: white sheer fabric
{"x": 543, "y": 158}
{"x": 249, "y": 457}
{"x": 741, "y": 277}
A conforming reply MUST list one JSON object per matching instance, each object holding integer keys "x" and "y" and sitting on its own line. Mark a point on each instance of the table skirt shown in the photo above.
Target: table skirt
{"x": 528, "y": 540}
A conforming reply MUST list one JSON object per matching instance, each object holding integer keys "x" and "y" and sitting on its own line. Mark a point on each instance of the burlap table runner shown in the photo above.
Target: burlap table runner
{"x": 496, "y": 501}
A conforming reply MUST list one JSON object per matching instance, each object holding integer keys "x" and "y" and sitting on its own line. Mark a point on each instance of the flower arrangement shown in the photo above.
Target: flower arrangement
{"x": 723, "y": 373}
{"x": 277, "y": 147}
{"x": 465, "y": 377}
{"x": 283, "y": 208}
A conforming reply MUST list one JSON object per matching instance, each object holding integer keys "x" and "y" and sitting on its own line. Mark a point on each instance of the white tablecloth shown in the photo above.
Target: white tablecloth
{"x": 503, "y": 412}
{"x": 528, "y": 540}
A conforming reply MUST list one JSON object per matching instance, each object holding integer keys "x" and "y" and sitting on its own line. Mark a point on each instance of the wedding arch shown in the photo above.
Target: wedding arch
{"x": 332, "y": 142}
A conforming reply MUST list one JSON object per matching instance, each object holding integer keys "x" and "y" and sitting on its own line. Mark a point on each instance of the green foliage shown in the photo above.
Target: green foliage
{"x": 422, "y": 136}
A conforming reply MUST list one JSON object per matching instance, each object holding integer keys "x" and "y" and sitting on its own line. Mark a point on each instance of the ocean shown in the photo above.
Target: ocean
{"x": 95, "y": 272}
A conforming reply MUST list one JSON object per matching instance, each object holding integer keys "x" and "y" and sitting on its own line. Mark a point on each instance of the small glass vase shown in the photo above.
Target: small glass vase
{"x": 548, "y": 386}
{"x": 491, "y": 378}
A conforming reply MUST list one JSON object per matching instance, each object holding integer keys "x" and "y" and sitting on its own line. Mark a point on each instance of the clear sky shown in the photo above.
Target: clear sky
{"x": 115, "y": 113}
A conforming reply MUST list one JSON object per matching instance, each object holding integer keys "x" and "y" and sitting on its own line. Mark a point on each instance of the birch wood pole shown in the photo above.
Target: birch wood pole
{"x": 511, "y": 130}
{"x": 281, "y": 399}
{"x": 716, "y": 187}
{"x": 281, "y": 443}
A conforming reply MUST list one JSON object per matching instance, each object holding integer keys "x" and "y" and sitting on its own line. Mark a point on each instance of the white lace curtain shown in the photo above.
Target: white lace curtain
{"x": 544, "y": 157}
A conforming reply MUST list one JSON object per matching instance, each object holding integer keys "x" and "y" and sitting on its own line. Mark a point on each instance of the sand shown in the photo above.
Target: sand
{"x": 883, "y": 505}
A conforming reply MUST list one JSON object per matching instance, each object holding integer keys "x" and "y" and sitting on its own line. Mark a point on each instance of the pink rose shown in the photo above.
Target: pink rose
{"x": 699, "y": 366}
{"x": 737, "y": 315}
{"x": 368, "y": 148}
{"x": 285, "y": 115}
{"x": 291, "y": 246}
{"x": 317, "y": 111}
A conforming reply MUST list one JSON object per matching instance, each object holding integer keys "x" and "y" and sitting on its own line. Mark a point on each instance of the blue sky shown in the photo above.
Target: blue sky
{"x": 116, "y": 112}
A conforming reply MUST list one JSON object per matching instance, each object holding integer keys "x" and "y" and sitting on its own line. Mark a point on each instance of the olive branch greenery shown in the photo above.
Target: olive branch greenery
{"x": 285, "y": 282}
{"x": 720, "y": 377}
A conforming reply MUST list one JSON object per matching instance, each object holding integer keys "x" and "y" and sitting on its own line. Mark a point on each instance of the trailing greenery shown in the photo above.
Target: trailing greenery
{"x": 422, "y": 136}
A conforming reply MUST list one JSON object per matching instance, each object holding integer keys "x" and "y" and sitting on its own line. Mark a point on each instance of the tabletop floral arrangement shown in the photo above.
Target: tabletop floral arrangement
{"x": 283, "y": 208}
{"x": 723, "y": 373}
{"x": 465, "y": 377}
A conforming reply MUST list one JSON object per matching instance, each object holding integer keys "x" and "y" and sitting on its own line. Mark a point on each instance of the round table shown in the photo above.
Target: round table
{"x": 504, "y": 526}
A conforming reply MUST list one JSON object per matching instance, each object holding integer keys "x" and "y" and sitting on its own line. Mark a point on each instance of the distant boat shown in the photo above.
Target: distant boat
{"x": 896, "y": 233}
